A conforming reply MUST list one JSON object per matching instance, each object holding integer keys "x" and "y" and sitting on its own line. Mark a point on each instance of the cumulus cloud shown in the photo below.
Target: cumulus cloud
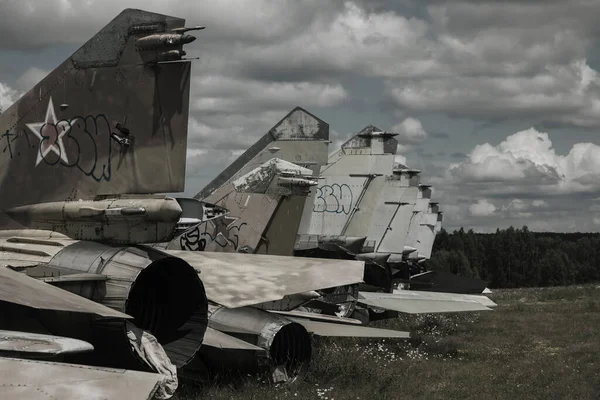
{"x": 410, "y": 131}
{"x": 527, "y": 158}
{"x": 8, "y": 96}
{"x": 483, "y": 208}
{"x": 400, "y": 159}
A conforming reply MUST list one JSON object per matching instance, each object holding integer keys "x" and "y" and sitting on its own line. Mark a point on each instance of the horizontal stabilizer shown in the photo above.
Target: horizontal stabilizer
{"x": 29, "y": 379}
{"x": 412, "y": 302}
{"x": 34, "y": 343}
{"x": 220, "y": 340}
{"x": 484, "y": 300}
{"x": 238, "y": 280}
{"x": 318, "y": 317}
{"x": 18, "y": 288}
{"x": 343, "y": 330}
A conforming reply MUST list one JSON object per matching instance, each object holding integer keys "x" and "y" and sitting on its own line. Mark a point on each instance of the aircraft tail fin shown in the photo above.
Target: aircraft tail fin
{"x": 111, "y": 119}
{"x": 264, "y": 209}
{"x": 300, "y": 137}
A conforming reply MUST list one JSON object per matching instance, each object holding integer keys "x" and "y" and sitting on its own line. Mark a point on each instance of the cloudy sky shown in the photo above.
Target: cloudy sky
{"x": 497, "y": 102}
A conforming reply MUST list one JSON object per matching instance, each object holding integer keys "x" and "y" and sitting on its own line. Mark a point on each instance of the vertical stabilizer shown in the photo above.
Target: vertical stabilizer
{"x": 110, "y": 119}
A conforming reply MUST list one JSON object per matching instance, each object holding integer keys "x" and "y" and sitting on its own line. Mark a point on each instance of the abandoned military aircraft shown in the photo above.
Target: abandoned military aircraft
{"x": 269, "y": 201}
{"x": 82, "y": 152}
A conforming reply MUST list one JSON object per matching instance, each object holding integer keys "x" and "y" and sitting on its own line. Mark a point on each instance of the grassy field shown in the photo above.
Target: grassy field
{"x": 537, "y": 344}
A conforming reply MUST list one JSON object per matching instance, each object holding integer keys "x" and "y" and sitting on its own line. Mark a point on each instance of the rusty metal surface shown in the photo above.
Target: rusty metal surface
{"x": 29, "y": 380}
{"x": 237, "y": 280}
{"x": 27, "y": 342}
{"x": 18, "y": 288}
{"x": 108, "y": 120}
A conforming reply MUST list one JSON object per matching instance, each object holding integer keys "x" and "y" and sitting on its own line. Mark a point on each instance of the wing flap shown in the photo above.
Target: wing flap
{"x": 18, "y": 288}
{"x": 414, "y": 303}
{"x": 220, "y": 340}
{"x": 35, "y": 343}
{"x": 29, "y": 379}
{"x": 342, "y": 330}
{"x": 237, "y": 280}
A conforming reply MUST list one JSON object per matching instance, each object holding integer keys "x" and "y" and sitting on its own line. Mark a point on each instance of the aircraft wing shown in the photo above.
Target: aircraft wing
{"x": 237, "y": 280}
{"x": 27, "y": 343}
{"x": 344, "y": 330}
{"x": 18, "y": 288}
{"x": 413, "y": 302}
{"x": 29, "y": 379}
{"x": 220, "y": 340}
{"x": 484, "y": 300}
{"x": 318, "y": 317}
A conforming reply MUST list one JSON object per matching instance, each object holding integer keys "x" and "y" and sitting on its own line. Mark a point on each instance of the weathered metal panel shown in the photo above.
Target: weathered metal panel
{"x": 236, "y": 280}
{"x": 292, "y": 136}
{"x": 218, "y": 339}
{"x": 421, "y": 207}
{"x": 27, "y": 342}
{"x": 29, "y": 380}
{"x": 426, "y": 233}
{"x": 318, "y": 317}
{"x": 18, "y": 288}
{"x": 280, "y": 235}
{"x": 338, "y": 330}
{"x": 413, "y": 302}
{"x": 335, "y": 199}
{"x": 483, "y": 300}
{"x": 395, "y": 238}
{"x": 104, "y": 90}
{"x": 387, "y": 205}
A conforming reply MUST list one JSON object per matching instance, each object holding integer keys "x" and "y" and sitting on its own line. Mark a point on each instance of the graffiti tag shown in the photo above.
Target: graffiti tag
{"x": 215, "y": 231}
{"x": 78, "y": 142}
{"x": 333, "y": 198}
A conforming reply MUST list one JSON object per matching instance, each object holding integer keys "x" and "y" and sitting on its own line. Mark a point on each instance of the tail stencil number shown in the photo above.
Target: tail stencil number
{"x": 334, "y": 198}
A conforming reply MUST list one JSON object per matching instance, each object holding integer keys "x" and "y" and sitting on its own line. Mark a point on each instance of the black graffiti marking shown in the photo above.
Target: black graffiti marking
{"x": 220, "y": 233}
{"x": 10, "y": 137}
{"x": 82, "y": 141}
{"x": 333, "y": 198}
{"x": 6, "y": 136}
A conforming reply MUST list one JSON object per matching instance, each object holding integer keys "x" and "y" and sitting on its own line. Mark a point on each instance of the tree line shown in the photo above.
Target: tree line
{"x": 512, "y": 257}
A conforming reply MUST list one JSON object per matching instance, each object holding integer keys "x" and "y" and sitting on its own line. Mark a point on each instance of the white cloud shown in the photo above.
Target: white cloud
{"x": 400, "y": 159}
{"x": 528, "y": 159}
{"x": 539, "y": 204}
{"x": 410, "y": 131}
{"x": 8, "y": 96}
{"x": 483, "y": 208}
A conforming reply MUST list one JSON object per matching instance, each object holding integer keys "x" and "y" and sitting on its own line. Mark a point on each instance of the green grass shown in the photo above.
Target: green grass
{"x": 539, "y": 343}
